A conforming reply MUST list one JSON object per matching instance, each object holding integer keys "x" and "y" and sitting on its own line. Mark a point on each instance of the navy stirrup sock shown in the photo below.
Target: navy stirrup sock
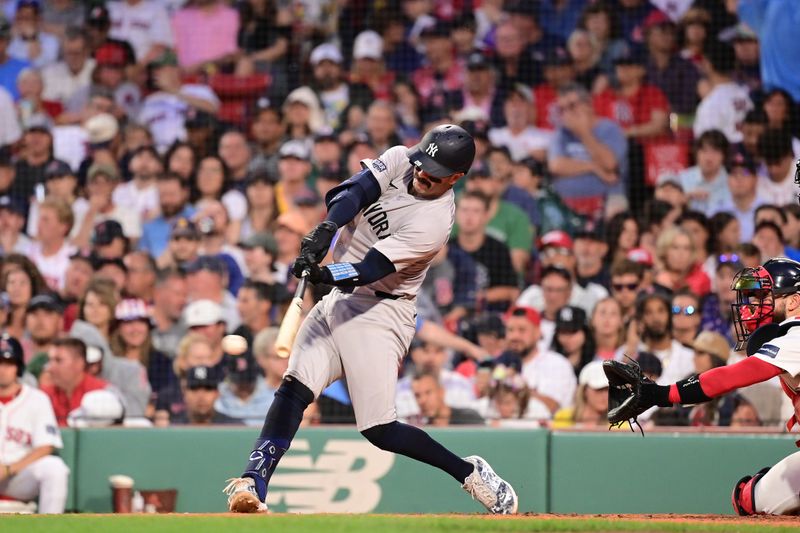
{"x": 415, "y": 443}
{"x": 280, "y": 426}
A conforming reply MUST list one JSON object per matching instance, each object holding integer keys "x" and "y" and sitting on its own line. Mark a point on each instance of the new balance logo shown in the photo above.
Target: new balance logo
{"x": 432, "y": 149}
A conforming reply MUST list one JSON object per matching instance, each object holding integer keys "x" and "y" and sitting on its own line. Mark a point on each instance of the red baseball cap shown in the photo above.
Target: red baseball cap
{"x": 530, "y": 313}
{"x": 558, "y": 238}
{"x": 641, "y": 256}
{"x": 656, "y": 18}
{"x": 111, "y": 55}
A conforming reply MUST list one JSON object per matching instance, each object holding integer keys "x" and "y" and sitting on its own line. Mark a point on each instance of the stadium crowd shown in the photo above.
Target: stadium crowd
{"x": 161, "y": 160}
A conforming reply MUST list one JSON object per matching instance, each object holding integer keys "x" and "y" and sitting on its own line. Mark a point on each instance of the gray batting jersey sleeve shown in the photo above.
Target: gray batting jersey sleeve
{"x": 406, "y": 229}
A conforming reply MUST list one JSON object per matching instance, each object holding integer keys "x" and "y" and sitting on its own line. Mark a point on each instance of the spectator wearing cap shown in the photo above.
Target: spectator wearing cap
{"x": 10, "y": 66}
{"x": 686, "y": 316}
{"x": 183, "y": 246}
{"x": 200, "y": 390}
{"x": 237, "y": 155}
{"x": 294, "y": 168}
{"x": 193, "y": 24}
{"x": 369, "y": 67}
{"x": 590, "y": 250}
{"x": 480, "y": 94}
{"x": 639, "y": 107}
{"x": 588, "y": 155}
{"x": 651, "y": 331}
{"x": 675, "y": 76}
{"x": 67, "y": 376}
{"x": 60, "y": 182}
{"x": 776, "y": 30}
{"x": 101, "y": 181}
{"x": 557, "y": 72}
{"x": 66, "y": 77}
{"x": 30, "y": 42}
{"x": 30, "y": 167}
{"x": 724, "y": 107}
{"x": 496, "y": 275}
{"x": 141, "y": 277}
{"x": 442, "y": 73}
{"x": 207, "y": 318}
{"x": 52, "y": 251}
{"x": 173, "y": 196}
{"x": 302, "y": 112}
{"x": 43, "y": 323}
{"x": 330, "y": 87}
{"x": 12, "y": 222}
{"x": 142, "y": 23}
{"x": 430, "y": 357}
{"x": 260, "y": 251}
{"x": 243, "y": 395}
{"x": 268, "y": 133}
{"x": 507, "y": 223}
{"x": 573, "y": 338}
{"x": 556, "y": 249}
{"x": 214, "y": 225}
{"x": 777, "y": 183}
{"x": 193, "y": 350}
{"x": 262, "y": 202}
{"x": 745, "y": 195}
{"x": 164, "y": 111}
{"x": 626, "y": 283}
{"x": 207, "y": 279}
{"x": 290, "y": 229}
{"x": 132, "y": 340}
{"x": 140, "y": 193}
{"x": 549, "y": 375}
{"x": 519, "y": 135}
{"x": 591, "y": 400}
{"x": 169, "y": 299}
{"x": 705, "y": 183}
{"x": 108, "y": 240}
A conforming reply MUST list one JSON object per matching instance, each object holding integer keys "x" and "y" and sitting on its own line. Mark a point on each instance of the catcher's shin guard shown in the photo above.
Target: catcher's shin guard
{"x": 743, "y": 497}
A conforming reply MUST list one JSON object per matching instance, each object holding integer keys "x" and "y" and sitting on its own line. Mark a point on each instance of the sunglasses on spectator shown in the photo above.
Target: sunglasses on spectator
{"x": 728, "y": 258}
{"x": 689, "y": 310}
{"x": 619, "y": 287}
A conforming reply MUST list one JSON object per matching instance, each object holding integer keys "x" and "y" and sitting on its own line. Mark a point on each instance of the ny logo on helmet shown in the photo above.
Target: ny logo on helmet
{"x": 432, "y": 149}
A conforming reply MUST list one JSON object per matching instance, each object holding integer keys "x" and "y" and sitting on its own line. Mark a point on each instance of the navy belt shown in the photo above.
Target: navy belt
{"x": 378, "y": 294}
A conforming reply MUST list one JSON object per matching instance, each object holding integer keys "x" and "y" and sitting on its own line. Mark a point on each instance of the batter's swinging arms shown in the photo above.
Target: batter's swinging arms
{"x": 395, "y": 215}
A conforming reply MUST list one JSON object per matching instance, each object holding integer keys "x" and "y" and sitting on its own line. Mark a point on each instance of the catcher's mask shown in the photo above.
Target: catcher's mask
{"x": 755, "y": 302}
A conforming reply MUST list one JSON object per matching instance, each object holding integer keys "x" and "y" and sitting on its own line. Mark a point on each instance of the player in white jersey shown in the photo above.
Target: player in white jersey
{"x": 394, "y": 215}
{"x": 28, "y": 435}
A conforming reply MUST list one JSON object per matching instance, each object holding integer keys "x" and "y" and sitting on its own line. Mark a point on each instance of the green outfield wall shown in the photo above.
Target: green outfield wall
{"x": 336, "y": 470}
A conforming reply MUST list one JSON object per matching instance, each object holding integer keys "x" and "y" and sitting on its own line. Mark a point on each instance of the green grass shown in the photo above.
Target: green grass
{"x": 359, "y": 524}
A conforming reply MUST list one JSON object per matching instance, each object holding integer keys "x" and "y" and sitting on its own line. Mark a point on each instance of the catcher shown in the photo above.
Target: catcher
{"x": 767, "y": 322}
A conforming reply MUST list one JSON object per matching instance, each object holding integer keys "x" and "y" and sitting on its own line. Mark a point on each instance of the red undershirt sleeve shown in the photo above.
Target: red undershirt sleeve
{"x": 721, "y": 380}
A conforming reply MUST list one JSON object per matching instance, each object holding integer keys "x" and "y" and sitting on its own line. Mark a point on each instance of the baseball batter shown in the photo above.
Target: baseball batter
{"x": 394, "y": 215}
{"x": 28, "y": 435}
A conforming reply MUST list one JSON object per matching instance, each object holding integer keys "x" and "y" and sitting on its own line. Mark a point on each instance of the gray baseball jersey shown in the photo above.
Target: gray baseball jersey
{"x": 408, "y": 230}
{"x": 359, "y": 334}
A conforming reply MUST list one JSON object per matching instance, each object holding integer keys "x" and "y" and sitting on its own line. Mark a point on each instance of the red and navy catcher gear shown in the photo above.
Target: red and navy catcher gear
{"x": 11, "y": 350}
{"x": 756, "y": 290}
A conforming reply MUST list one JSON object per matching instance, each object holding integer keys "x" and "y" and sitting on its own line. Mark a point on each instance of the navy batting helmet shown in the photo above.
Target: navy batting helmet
{"x": 11, "y": 350}
{"x": 443, "y": 151}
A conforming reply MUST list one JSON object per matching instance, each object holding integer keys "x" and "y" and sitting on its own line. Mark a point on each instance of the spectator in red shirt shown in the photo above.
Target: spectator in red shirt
{"x": 678, "y": 266}
{"x": 442, "y": 73}
{"x": 69, "y": 379}
{"x": 639, "y": 107}
{"x": 558, "y": 72}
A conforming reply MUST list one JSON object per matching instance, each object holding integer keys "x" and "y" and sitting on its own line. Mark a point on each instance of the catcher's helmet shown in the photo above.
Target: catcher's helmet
{"x": 756, "y": 289}
{"x": 11, "y": 350}
{"x": 443, "y": 151}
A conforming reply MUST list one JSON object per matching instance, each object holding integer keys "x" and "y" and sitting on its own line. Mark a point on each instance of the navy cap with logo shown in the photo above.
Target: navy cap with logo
{"x": 46, "y": 301}
{"x": 570, "y": 319}
{"x": 184, "y": 227}
{"x": 203, "y": 377}
{"x": 57, "y": 169}
{"x": 98, "y": 16}
{"x": 443, "y": 151}
{"x": 263, "y": 240}
{"x": 557, "y": 57}
{"x": 106, "y": 231}
{"x": 11, "y": 350}
{"x": 13, "y": 204}
{"x": 242, "y": 370}
{"x": 208, "y": 263}
{"x": 477, "y": 61}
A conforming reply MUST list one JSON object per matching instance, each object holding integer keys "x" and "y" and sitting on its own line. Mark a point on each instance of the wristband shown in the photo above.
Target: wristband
{"x": 342, "y": 272}
{"x": 691, "y": 392}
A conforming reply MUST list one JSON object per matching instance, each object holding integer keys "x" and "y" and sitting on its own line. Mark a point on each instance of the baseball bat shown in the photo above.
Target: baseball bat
{"x": 291, "y": 320}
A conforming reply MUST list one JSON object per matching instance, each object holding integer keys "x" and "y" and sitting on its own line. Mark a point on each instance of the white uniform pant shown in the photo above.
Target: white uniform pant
{"x": 46, "y": 478}
{"x": 778, "y": 491}
{"x": 362, "y": 337}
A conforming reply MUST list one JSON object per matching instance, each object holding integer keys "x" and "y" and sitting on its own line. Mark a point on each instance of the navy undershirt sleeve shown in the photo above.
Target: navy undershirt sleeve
{"x": 346, "y": 200}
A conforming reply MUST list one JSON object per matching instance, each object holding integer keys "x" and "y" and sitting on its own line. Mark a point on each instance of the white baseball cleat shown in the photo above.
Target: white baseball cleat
{"x": 491, "y": 490}
{"x": 242, "y": 496}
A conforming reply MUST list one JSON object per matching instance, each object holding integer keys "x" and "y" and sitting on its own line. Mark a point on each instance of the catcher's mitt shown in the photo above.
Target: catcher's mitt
{"x": 630, "y": 393}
